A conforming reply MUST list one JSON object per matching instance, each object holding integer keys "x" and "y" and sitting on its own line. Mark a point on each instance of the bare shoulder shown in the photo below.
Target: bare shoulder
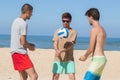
{"x": 93, "y": 31}
{"x": 102, "y": 31}
{"x": 73, "y": 31}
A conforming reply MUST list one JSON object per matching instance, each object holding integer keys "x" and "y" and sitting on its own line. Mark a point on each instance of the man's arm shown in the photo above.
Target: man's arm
{"x": 24, "y": 42}
{"x": 57, "y": 51}
{"x": 91, "y": 46}
{"x": 68, "y": 46}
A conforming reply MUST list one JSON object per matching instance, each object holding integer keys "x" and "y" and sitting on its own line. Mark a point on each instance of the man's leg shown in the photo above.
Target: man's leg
{"x": 70, "y": 69}
{"x": 72, "y": 76}
{"x": 55, "y": 77}
{"x": 96, "y": 67}
{"x": 23, "y": 75}
{"x": 57, "y": 70}
{"x": 32, "y": 73}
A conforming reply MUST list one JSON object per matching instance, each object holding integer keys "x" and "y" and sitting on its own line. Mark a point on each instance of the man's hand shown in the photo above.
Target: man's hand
{"x": 31, "y": 47}
{"x": 57, "y": 52}
{"x": 82, "y": 58}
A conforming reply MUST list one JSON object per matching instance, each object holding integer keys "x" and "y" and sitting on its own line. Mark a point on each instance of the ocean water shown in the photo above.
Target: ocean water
{"x": 45, "y": 42}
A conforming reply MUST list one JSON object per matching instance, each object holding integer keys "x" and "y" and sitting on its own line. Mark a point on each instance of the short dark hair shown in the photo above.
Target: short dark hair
{"x": 94, "y": 13}
{"x": 67, "y": 15}
{"x": 26, "y": 7}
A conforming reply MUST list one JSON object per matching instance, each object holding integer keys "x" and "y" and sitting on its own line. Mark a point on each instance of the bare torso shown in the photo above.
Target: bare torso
{"x": 100, "y": 41}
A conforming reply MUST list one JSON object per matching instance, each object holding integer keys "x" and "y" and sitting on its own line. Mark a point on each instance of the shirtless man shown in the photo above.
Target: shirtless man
{"x": 96, "y": 46}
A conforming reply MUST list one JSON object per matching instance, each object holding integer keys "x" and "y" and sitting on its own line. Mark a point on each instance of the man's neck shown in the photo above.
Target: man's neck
{"x": 68, "y": 27}
{"x": 23, "y": 17}
{"x": 95, "y": 24}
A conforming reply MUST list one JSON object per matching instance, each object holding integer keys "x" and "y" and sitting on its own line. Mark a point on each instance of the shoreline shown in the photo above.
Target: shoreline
{"x": 43, "y": 62}
{"x": 53, "y": 49}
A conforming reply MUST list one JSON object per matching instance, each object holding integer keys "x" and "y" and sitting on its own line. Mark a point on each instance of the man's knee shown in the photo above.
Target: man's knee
{"x": 72, "y": 76}
{"x": 25, "y": 77}
{"x": 55, "y": 76}
{"x": 35, "y": 76}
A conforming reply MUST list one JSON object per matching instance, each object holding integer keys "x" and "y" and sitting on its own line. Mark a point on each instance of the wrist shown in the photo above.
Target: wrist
{"x": 56, "y": 49}
{"x": 63, "y": 50}
{"x": 85, "y": 56}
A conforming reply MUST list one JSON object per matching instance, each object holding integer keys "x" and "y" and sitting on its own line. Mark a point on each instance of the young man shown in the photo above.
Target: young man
{"x": 64, "y": 59}
{"x": 96, "y": 46}
{"x": 19, "y": 45}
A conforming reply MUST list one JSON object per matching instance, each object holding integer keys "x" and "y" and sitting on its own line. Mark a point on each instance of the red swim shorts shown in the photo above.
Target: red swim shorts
{"x": 21, "y": 61}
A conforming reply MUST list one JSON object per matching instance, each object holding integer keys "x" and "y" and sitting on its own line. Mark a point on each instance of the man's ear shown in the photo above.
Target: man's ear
{"x": 91, "y": 17}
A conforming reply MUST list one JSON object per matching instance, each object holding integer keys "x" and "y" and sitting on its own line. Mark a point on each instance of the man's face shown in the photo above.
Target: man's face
{"x": 28, "y": 14}
{"x": 66, "y": 22}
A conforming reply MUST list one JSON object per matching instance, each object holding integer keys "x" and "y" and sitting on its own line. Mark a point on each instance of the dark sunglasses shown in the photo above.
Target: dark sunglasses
{"x": 67, "y": 21}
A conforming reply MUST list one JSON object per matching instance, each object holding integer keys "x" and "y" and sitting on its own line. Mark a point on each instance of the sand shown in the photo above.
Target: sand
{"x": 43, "y": 61}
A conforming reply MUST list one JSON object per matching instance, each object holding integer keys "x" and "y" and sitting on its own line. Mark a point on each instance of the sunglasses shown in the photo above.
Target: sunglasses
{"x": 67, "y": 21}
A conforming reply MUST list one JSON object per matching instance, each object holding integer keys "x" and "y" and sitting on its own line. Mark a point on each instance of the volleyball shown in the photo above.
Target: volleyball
{"x": 63, "y": 32}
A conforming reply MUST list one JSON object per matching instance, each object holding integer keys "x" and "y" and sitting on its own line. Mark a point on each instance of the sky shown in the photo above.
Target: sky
{"x": 46, "y": 16}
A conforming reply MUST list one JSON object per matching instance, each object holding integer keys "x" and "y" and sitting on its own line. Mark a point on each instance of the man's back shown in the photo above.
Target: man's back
{"x": 100, "y": 41}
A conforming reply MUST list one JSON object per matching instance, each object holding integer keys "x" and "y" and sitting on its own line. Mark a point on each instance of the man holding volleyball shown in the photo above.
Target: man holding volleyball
{"x": 63, "y": 46}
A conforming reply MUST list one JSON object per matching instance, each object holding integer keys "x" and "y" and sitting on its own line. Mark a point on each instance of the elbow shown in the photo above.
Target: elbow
{"x": 24, "y": 44}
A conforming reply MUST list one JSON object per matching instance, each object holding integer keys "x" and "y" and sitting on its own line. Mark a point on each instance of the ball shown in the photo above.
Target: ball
{"x": 63, "y": 32}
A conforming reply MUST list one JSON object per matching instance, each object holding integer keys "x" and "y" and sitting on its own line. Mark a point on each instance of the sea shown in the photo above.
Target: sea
{"x": 45, "y": 42}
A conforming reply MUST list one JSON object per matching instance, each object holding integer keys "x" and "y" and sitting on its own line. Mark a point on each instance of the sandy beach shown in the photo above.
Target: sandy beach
{"x": 43, "y": 60}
